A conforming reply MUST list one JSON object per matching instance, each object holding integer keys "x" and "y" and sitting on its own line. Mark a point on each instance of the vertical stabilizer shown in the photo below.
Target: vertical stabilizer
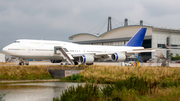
{"x": 137, "y": 39}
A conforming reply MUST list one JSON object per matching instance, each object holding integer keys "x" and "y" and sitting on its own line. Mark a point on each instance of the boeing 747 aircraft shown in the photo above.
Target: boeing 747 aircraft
{"x": 58, "y": 51}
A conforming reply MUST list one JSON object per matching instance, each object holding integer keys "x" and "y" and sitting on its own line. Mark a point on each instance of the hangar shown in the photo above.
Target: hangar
{"x": 156, "y": 37}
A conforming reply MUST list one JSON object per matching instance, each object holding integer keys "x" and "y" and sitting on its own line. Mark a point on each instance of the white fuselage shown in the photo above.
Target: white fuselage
{"x": 44, "y": 49}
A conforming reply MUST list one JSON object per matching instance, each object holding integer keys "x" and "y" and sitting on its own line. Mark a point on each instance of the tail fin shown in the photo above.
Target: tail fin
{"x": 137, "y": 39}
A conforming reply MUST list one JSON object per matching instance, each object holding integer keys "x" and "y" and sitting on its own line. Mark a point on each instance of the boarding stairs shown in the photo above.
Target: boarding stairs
{"x": 66, "y": 56}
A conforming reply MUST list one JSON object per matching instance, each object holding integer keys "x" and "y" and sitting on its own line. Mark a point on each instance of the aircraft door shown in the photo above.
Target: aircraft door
{"x": 29, "y": 49}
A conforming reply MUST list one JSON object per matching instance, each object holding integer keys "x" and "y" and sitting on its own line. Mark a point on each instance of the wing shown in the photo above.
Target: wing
{"x": 100, "y": 55}
{"x": 147, "y": 50}
{"x": 171, "y": 47}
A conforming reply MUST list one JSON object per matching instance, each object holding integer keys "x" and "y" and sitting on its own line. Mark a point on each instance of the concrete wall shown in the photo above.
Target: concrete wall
{"x": 63, "y": 73}
{"x": 2, "y": 57}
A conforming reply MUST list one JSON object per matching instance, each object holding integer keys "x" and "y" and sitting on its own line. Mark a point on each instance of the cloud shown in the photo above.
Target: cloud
{"x": 161, "y": 8}
{"x": 59, "y": 19}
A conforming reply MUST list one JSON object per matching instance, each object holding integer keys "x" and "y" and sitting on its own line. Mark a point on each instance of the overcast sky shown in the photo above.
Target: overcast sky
{"x": 59, "y": 19}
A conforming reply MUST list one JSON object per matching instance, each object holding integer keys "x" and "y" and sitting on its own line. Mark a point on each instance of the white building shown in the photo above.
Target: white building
{"x": 2, "y": 57}
{"x": 155, "y": 37}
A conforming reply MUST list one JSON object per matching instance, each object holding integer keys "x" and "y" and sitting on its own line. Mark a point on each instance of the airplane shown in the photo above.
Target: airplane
{"x": 58, "y": 51}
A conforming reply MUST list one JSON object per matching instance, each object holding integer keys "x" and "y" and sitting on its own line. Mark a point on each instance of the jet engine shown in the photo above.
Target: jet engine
{"x": 56, "y": 61}
{"x": 86, "y": 59}
{"x": 118, "y": 56}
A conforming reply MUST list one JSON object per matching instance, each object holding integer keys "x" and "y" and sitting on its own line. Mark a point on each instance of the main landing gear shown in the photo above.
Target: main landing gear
{"x": 23, "y": 61}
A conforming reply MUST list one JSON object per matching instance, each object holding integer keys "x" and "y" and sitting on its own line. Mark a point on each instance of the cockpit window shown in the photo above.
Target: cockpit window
{"x": 16, "y": 41}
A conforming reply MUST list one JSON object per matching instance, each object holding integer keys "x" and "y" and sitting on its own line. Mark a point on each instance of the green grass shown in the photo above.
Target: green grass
{"x": 81, "y": 93}
{"x": 110, "y": 74}
{"x": 74, "y": 77}
{"x": 133, "y": 88}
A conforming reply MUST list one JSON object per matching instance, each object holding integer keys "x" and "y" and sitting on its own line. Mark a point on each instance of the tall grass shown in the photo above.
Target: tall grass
{"x": 109, "y": 74}
{"x": 24, "y": 73}
{"x": 4, "y": 63}
{"x": 163, "y": 94}
{"x": 33, "y": 72}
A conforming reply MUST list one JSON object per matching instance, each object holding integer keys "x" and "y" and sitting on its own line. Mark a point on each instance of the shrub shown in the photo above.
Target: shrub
{"x": 88, "y": 92}
{"x": 130, "y": 89}
{"x": 107, "y": 90}
{"x": 169, "y": 83}
{"x": 140, "y": 84}
{"x": 76, "y": 77}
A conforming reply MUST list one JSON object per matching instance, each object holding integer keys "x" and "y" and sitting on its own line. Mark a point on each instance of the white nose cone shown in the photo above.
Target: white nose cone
{"x": 5, "y": 49}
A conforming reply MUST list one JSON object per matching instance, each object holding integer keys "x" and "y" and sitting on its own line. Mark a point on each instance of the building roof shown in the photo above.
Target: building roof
{"x": 154, "y": 28}
{"x": 71, "y": 37}
{"x": 82, "y": 34}
{"x": 166, "y": 29}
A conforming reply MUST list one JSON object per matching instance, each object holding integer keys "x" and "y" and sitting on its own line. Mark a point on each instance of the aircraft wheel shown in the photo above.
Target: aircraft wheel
{"x": 89, "y": 63}
{"x": 21, "y": 63}
{"x": 75, "y": 63}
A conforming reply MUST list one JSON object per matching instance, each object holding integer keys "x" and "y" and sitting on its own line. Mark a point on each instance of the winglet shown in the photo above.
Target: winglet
{"x": 137, "y": 39}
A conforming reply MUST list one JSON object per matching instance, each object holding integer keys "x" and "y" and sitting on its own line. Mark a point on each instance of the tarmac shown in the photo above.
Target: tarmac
{"x": 95, "y": 63}
{"x": 143, "y": 64}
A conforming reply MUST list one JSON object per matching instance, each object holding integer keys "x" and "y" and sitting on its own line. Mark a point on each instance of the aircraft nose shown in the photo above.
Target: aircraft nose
{"x": 5, "y": 49}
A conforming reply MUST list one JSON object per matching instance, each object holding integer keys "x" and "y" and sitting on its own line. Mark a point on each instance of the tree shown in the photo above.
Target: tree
{"x": 177, "y": 57}
{"x": 171, "y": 56}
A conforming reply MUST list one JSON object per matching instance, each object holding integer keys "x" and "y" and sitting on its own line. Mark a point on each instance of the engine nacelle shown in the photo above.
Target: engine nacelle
{"x": 86, "y": 59}
{"x": 56, "y": 61}
{"x": 118, "y": 56}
